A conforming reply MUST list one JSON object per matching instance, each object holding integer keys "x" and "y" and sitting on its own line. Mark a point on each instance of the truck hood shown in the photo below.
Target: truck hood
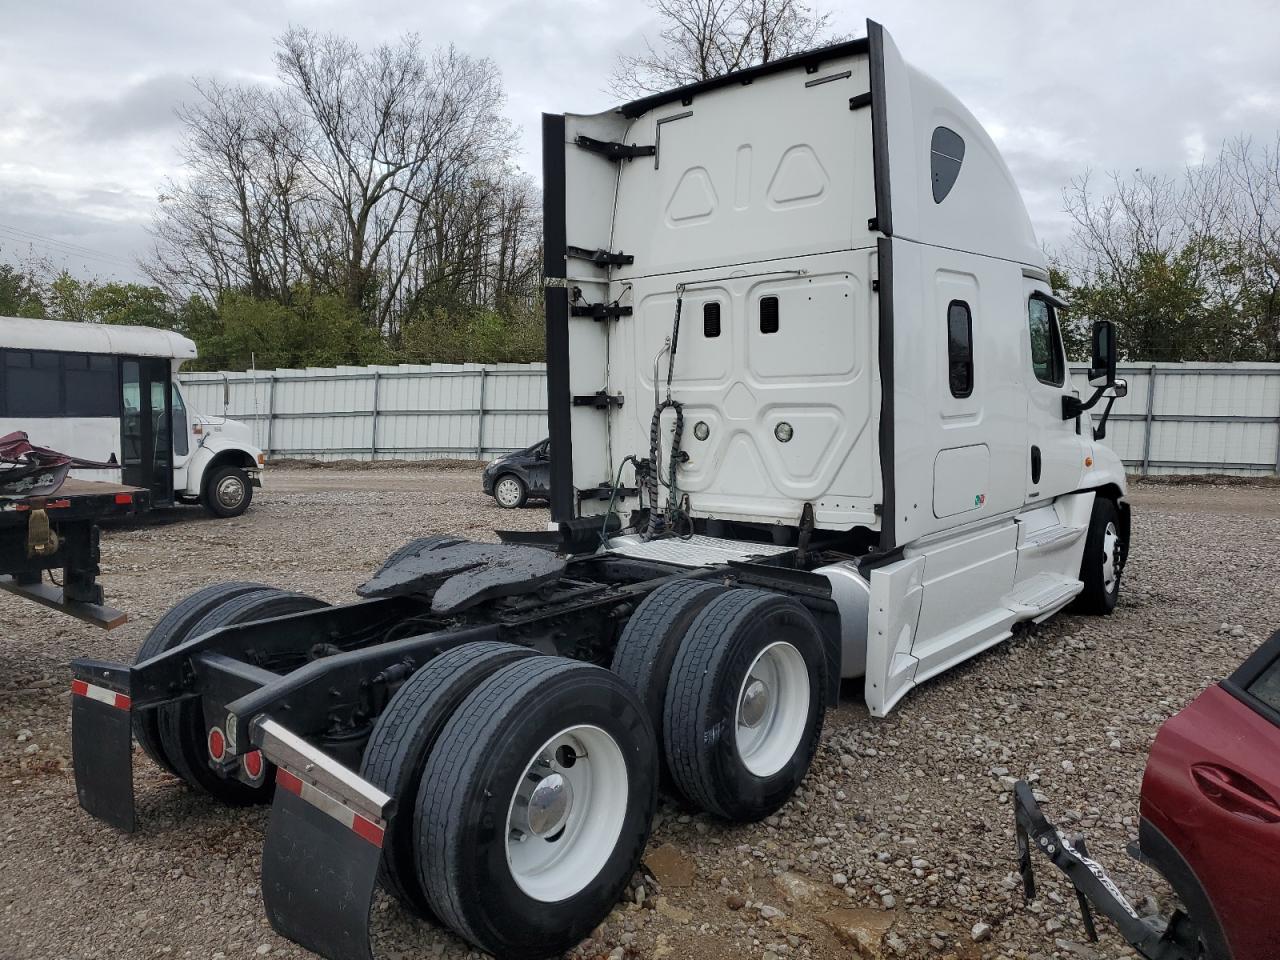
{"x": 226, "y": 428}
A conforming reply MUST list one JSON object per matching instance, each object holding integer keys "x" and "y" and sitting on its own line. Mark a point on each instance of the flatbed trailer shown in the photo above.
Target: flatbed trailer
{"x": 60, "y": 532}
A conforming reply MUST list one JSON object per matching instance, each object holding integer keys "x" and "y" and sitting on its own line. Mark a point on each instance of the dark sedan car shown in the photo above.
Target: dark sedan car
{"x": 513, "y": 479}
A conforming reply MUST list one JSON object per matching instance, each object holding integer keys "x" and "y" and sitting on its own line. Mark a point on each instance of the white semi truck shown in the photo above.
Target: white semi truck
{"x": 812, "y": 419}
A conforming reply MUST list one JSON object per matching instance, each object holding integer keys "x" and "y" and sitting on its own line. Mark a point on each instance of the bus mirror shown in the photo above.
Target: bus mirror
{"x": 1102, "y": 369}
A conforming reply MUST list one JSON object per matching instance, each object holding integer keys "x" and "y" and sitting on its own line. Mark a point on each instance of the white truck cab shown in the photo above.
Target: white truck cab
{"x": 821, "y": 276}
{"x": 108, "y": 393}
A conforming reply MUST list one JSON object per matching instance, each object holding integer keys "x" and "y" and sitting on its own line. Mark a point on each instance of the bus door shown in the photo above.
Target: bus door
{"x": 146, "y": 437}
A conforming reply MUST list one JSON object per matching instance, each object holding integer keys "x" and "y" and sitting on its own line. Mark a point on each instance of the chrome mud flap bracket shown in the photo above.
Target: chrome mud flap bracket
{"x": 102, "y": 741}
{"x": 1152, "y": 938}
{"x": 323, "y": 847}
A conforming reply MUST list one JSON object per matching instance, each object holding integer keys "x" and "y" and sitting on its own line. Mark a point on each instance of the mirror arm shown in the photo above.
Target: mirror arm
{"x": 1072, "y": 407}
{"x": 1100, "y": 431}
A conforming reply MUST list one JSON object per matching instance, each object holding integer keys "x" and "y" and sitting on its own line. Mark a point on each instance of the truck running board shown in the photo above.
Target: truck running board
{"x": 1043, "y": 593}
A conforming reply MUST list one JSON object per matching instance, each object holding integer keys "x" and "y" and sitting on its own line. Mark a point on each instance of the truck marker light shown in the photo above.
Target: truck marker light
{"x": 101, "y": 694}
{"x": 783, "y": 432}
{"x": 124, "y": 498}
{"x": 363, "y": 827}
{"x": 701, "y": 430}
{"x": 254, "y": 764}
{"x": 217, "y": 744}
{"x": 1088, "y": 461}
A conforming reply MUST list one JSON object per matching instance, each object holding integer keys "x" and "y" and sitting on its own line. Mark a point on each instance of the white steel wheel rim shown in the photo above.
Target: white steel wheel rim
{"x": 558, "y": 840}
{"x": 1110, "y": 547}
{"x": 230, "y": 492}
{"x": 772, "y": 709}
{"x": 508, "y": 491}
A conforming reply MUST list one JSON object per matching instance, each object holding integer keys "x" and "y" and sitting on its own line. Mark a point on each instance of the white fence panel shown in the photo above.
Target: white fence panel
{"x": 406, "y": 412}
{"x": 1177, "y": 418}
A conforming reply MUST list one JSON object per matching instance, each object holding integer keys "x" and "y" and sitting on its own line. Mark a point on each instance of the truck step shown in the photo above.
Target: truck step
{"x": 1051, "y": 537}
{"x": 1041, "y": 593}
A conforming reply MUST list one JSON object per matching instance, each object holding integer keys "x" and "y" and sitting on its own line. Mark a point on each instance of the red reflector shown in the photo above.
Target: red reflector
{"x": 253, "y": 764}
{"x": 55, "y": 504}
{"x": 123, "y": 702}
{"x": 217, "y": 744}
{"x": 80, "y": 687}
{"x": 124, "y": 498}
{"x": 287, "y": 780}
{"x": 367, "y": 829}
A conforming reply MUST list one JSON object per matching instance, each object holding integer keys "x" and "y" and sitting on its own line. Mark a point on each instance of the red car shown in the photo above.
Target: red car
{"x": 1210, "y": 824}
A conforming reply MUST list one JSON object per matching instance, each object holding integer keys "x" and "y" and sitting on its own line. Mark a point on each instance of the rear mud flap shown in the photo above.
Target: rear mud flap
{"x": 323, "y": 847}
{"x": 102, "y": 746}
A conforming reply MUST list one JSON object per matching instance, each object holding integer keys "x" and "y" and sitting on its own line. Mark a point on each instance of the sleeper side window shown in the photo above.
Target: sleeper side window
{"x": 1046, "y": 346}
{"x": 946, "y": 154}
{"x": 960, "y": 349}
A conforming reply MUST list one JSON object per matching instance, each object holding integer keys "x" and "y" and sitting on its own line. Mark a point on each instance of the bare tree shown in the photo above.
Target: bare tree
{"x": 701, "y": 39}
{"x": 381, "y": 177}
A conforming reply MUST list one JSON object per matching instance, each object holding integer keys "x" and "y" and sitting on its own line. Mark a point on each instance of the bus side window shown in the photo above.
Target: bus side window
{"x": 181, "y": 431}
{"x": 32, "y": 386}
{"x": 90, "y": 380}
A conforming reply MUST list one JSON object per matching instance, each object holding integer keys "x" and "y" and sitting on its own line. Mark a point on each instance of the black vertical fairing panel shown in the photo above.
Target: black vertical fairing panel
{"x": 556, "y": 298}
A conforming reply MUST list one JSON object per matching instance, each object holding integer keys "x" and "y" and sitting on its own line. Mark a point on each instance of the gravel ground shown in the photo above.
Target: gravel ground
{"x": 899, "y": 845}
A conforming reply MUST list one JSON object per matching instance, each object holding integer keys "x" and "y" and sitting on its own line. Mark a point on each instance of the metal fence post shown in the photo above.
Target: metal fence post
{"x": 1146, "y": 438}
{"x": 373, "y": 426}
{"x": 1278, "y": 443}
{"x": 480, "y": 421}
{"x": 271, "y": 412}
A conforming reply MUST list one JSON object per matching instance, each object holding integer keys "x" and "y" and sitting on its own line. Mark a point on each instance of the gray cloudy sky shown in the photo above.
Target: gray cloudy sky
{"x": 88, "y": 89}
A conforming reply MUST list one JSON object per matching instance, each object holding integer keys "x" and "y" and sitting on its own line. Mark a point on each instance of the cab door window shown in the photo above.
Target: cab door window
{"x": 1047, "y": 361}
{"x": 181, "y": 431}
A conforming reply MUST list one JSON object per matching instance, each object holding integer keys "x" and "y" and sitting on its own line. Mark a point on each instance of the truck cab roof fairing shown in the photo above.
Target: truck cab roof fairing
{"x": 730, "y": 190}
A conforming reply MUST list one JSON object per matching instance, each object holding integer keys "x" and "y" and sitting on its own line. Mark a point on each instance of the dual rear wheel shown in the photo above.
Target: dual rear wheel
{"x": 525, "y": 790}
{"x": 735, "y": 682}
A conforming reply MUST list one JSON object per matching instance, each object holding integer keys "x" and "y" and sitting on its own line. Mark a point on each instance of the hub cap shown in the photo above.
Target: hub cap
{"x": 508, "y": 491}
{"x": 773, "y": 709}
{"x": 230, "y": 492}
{"x": 1110, "y": 557}
{"x": 566, "y": 813}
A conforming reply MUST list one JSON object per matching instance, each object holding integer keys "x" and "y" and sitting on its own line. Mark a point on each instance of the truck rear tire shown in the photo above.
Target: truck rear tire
{"x": 227, "y": 491}
{"x": 651, "y": 639}
{"x": 745, "y": 704}
{"x": 1102, "y": 561}
{"x": 170, "y": 630}
{"x": 404, "y": 735}
{"x": 183, "y": 734}
{"x": 535, "y": 807}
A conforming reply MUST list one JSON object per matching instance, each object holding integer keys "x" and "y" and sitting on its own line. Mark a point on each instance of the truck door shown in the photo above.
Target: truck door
{"x": 146, "y": 440}
{"x": 1055, "y": 454}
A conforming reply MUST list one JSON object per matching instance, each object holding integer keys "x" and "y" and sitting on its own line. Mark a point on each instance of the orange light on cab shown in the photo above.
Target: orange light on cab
{"x": 1088, "y": 461}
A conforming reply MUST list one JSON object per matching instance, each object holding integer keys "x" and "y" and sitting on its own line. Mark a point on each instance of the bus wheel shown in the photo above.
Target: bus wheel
{"x": 227, "y": 491}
